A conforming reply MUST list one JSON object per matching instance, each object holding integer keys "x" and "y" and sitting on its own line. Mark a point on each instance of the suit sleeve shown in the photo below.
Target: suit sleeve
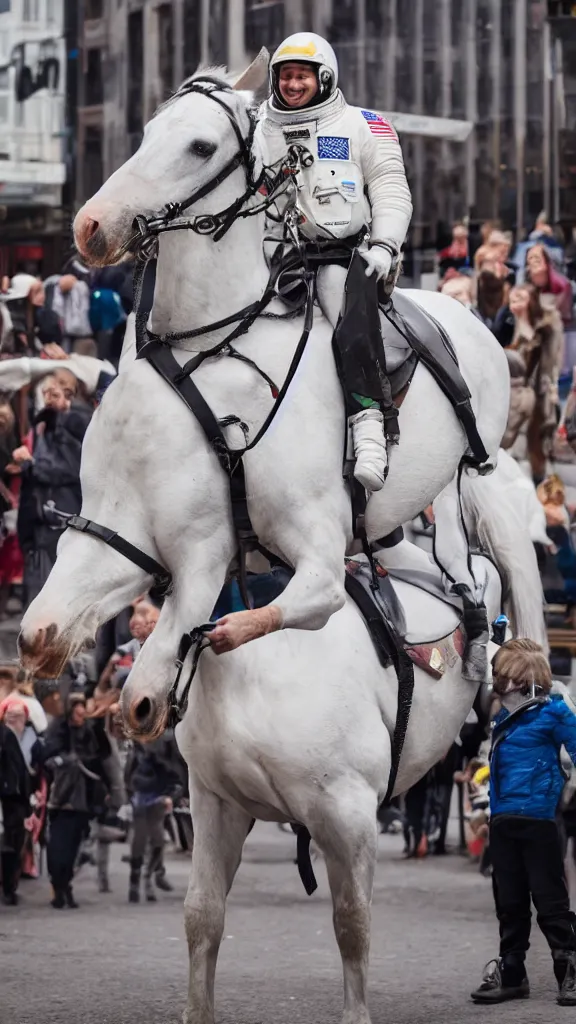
{"x": 386, "y": 184}
{"x": 565, "y": 729}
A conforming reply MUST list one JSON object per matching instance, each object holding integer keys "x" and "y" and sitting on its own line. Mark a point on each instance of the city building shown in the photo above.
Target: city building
{"x": 33, "y": 167}
{"x": 471, "y": 85}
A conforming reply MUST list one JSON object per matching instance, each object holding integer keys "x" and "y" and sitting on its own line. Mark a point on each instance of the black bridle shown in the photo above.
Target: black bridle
{"x": 157, "y": 350}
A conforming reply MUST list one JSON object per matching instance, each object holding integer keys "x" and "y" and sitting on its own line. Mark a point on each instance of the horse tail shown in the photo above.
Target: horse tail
{"x": 492, "y": 513}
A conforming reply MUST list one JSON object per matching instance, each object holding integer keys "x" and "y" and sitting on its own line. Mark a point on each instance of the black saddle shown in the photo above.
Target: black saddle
{"x": 430, "y": 344}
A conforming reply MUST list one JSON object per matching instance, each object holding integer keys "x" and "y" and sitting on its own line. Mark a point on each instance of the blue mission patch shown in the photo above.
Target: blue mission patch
{"x": 333, "y": 147}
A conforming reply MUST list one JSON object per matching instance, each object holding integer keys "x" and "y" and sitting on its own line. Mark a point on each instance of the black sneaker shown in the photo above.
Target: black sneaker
{"x": 493, "y": 989}
{"x": 567, "y": 993}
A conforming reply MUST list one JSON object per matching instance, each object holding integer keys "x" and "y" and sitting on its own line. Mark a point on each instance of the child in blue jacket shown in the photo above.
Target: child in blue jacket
{"x": 526, "y": 782}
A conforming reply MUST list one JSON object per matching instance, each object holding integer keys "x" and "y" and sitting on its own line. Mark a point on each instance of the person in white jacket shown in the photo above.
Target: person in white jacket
{"x": 351, "y": 190}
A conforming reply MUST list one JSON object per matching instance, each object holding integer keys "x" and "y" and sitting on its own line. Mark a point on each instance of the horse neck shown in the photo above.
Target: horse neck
{"x": 200, "y": 282}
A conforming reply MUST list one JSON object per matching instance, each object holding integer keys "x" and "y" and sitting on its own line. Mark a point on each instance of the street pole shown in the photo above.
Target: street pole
{"x": 361, "y": 51}
{"x": 496, "y": 76}
{"x": 547, "y": 120}
{"x": 471, "y": 103}
{"x": 520, "y": 24}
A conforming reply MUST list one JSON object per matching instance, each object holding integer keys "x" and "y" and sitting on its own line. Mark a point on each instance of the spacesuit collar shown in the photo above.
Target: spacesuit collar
{"x": 305, "y": 114}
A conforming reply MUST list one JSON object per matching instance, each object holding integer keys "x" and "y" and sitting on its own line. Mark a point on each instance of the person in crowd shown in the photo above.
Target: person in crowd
{"x": 19, "y": 754}
{"x": 143, "y": 618}
{"x": 552, "y": 495}
{"x": 543, "y": 234}
{"x": 490, "y": 291}
{"x": 153, "y": 782}
{"x": 526, "y": 784}
{"x": 535, "y": 358}
{"x": 554, "y": 289}
{"x": 23, "y": 690}
{"x": 50, "y": 473}
{"x": 11, "y": 562}
{"x": 47, "y": 692}
{"x": 75, "y": 751}
{"x": 461, "y": 288}
{"x": 33, "y": 323}
{"x": 457, "y": 254}
{"x": 69, "y": 299}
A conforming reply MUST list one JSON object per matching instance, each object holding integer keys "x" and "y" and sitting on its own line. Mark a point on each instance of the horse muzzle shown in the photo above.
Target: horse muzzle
{"x": 44, "y": 652}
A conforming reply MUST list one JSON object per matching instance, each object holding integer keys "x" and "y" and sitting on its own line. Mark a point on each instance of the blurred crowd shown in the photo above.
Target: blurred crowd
{"x": 60, "y": 344}
{"x": 525, "y": 294}
{"x": 71, "y": 784}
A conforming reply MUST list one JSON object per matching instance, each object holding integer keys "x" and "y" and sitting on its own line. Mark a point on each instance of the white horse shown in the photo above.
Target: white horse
{"x": 294, "y": 727}
{"x": 298, "y": 502}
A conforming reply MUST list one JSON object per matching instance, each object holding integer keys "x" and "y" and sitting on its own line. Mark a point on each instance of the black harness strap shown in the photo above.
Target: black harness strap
{"x": 305, "y": 869}
{"x": 162, "y": 578}
{"x": 389, "y": 650}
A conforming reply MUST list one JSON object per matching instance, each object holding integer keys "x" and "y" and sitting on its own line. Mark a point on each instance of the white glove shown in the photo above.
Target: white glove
{"x": 379, "y": 260}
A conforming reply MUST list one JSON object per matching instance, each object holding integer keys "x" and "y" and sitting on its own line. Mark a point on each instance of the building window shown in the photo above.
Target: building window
{"x": 30, "y": 10}
{"x": 263, "y": 24}
{"x": 93, "y": 79}
{"x": 218, "y": 32}
{"x": 192, "y": 36}
{"x": 134, "y": 110}
{"x": 94, "y": 9}
{"x": 166, "y": 49}
{"x": 92, "y": 162}
{"x": 50, "y": 12}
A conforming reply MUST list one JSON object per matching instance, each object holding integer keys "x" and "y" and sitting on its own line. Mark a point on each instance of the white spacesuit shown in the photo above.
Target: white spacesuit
{"x": 351, "y": 185}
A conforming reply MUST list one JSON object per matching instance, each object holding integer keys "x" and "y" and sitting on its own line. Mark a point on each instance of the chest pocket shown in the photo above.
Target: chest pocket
{"x": 330, "y": 191}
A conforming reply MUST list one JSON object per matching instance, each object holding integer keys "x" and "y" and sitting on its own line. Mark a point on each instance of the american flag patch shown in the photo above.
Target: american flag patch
{"x": 378, "y": 125}
{"x": 333, "y": 147}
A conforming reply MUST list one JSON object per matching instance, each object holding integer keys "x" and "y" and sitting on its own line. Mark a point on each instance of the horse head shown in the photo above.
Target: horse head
{"x": 186, "y": 146}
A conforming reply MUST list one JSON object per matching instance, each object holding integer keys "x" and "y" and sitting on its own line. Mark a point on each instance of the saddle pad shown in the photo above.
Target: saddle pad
{"x": 416, "y": 615}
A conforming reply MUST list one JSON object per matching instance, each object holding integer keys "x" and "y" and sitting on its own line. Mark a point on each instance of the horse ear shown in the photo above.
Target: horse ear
{"x": 255, "y": 75}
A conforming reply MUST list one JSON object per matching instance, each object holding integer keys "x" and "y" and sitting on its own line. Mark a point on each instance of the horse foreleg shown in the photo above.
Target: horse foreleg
{"x": 348, "y": 840}
{"x": 313, "y": 594}
{"x": 219, "y": 834}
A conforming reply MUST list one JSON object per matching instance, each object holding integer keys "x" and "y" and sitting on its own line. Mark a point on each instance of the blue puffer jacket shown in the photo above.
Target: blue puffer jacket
{"x": 526, "y": 777}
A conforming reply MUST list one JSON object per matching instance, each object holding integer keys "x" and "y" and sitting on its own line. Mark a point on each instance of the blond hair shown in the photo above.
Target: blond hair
{"x": 523, "y": 663}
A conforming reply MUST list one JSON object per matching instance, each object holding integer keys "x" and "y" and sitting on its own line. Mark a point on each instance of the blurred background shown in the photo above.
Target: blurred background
{"x": 482, "y": 92}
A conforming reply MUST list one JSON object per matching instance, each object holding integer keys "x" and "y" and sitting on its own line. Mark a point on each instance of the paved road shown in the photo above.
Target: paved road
{"x": 111, "y": 963}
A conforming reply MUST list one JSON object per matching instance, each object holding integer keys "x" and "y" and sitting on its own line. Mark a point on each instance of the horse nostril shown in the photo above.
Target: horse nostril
{"x": 143, "y": 709}
{"x": 90, "y": 227}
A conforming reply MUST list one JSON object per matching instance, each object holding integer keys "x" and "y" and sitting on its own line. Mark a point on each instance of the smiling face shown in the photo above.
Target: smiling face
{"x": 297, "y": 84}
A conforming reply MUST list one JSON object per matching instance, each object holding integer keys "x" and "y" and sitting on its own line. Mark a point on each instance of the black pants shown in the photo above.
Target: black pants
{"x": 527, "y": 862}
{"x": 67, "y": 829}
{"x": 14, "y": 813}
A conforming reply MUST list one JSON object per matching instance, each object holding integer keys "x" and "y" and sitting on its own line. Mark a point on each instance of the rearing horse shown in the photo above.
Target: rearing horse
{"x": 197, "y": 145}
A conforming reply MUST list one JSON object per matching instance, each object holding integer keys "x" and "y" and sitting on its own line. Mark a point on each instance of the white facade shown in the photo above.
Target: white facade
{"x": 32, "y": 169}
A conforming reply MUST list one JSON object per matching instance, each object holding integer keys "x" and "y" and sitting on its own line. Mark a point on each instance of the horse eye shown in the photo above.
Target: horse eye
{"x": 202, "y": 149}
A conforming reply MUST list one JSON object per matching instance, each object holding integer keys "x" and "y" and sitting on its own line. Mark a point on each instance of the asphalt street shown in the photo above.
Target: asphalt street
{"x": 114, "y": 963}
